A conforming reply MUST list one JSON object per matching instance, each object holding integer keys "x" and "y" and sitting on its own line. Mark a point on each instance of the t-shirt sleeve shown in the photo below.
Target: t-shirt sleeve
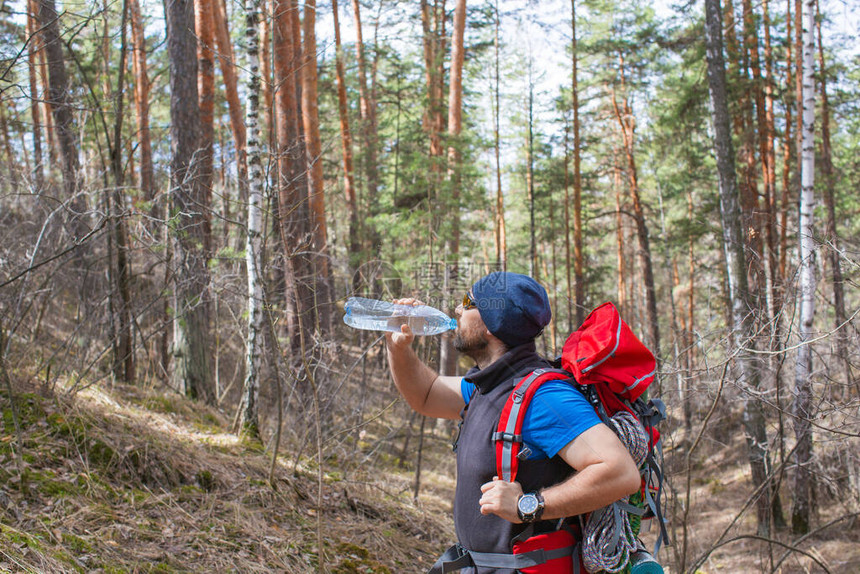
{"x": 557, "y": 414}
{"x": 467, "y": 389}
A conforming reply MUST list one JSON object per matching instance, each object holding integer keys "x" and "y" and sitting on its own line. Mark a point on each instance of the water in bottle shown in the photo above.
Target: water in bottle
{"x": 375, "y": 315}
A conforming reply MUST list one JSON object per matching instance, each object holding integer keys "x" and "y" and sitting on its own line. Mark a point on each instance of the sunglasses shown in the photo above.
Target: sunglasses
{"x": 468, "y": 302}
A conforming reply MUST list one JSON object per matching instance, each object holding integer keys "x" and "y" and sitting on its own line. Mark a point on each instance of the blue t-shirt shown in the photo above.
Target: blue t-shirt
{"x": 557, "y": 414}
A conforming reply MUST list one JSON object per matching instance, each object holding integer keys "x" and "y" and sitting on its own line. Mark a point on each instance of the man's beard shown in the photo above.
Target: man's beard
{"x": 471, "y": 346}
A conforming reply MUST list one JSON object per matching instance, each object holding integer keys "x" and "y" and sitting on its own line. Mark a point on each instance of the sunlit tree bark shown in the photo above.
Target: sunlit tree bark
{"x": 61, "y": 108}
{"x": 294, "y": 214}
{"x": 316, "y": 192}
{"x": 124, "y": 359}
{"x": 35, "y": 114}
{"x": 231, "y": 92}
{"x": 626, "y": 124}
{"x": 802, "y": 508}
{"x": 141, "y": 103}
{"x": 499, "y": 213}
{"x": 747, "y": 368}
{"x": 832, "y": 236}
{"x": 448, "y": 355}
{"x": 191, "y": 331}
{"x": 204, "y": 26}
{"x": 367, "y": 113}
{"x": 253, "y": 247}
{"x": 346, "y": 145}
{"x": 578, "y": 254}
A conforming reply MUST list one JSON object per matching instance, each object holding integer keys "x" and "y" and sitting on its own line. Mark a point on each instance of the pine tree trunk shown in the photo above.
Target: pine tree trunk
{"x": 690, "y": 341}
{"x": 763, "y": 220}
{"x": 53, "y": 152}
{"x": 832, "y": 236}
{"x": 367, "y": 113}
{"x": 316, "y": 191}
{"x": 455, "y": 122}
{"x": 7, "y": 148}
{"x": 530, "y": 176}
{"x": 448, "y": 355}
{"x": 747, "y": 369}
{"x": 801, "y": 510}
{"x": 204, "y": 26}
{"x": 256, "y": 187}
{"x": 228, "y": 71}
{"x": 266, "y": 79}
{"x": 346, "y": 141}
{"x": 124, "y": 361}
{"x": 627, "y": 127}
{"x": 61, "y": 108}
{"x": 32, "y": 59}
{"x": 499, "y": 215}
{"x": 293, "y": 209}
{"x": 578, "y": 253}
{"x": 141, "y": 103}
{"x": 191, "y": 349}
{"x": 621, "y": 272}
{"x": 787, "y": 149}
{"x": 433, "y": 27}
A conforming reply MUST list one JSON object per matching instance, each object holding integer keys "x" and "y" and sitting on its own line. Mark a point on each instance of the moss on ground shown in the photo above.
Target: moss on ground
{"x": 357, "y": 560}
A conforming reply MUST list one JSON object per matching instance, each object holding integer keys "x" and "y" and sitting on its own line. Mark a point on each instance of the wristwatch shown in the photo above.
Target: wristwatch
{"x": 530, "y": 506}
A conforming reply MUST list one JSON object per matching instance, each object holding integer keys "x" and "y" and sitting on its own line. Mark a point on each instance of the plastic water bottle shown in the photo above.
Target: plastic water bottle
{"x": 375, "y": 315}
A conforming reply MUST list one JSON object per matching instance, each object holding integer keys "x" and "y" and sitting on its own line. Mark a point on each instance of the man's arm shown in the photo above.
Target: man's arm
{"x": 606, "y": 473}
{"x": 427, "y": 392}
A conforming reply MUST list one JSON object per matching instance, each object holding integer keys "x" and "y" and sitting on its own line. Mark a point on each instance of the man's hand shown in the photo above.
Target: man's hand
{"x": 422, "y": 387}
{"x": 405, "y": 337}
{"x": 500, "y": 498}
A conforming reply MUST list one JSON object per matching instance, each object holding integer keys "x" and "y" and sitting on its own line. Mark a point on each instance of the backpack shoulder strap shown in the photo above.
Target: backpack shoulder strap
{"x": 508, "y": 437}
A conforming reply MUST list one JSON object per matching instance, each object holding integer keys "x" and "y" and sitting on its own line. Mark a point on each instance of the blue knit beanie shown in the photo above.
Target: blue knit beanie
{"x": 515, "y": 308}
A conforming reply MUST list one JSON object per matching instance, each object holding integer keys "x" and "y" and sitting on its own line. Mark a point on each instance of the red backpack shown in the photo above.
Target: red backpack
{"x": 605, "y": 361}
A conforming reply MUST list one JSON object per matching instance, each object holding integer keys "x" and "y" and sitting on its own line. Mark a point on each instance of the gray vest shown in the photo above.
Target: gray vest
{"x": 476, "y": 456}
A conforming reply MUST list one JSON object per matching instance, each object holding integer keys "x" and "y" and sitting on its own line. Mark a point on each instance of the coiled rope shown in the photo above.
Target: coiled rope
{"x": 609, "y": 539}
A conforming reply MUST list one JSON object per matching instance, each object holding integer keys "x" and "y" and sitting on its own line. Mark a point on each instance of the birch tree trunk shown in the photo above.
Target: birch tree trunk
{"x": 256, "y": 185}
{"x": 801, "y": 509}
{"x": 747, "y": 370}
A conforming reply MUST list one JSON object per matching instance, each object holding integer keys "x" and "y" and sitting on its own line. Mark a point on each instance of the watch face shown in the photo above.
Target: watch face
{"x": 528, "y": 504}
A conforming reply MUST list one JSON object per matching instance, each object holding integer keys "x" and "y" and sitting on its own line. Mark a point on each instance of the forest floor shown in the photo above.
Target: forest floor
{"x": 126, "y": 479}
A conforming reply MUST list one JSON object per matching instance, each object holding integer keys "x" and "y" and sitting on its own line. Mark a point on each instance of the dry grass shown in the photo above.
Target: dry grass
{"x": 126, "y": 479}
{"x": 130, "y": 481}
